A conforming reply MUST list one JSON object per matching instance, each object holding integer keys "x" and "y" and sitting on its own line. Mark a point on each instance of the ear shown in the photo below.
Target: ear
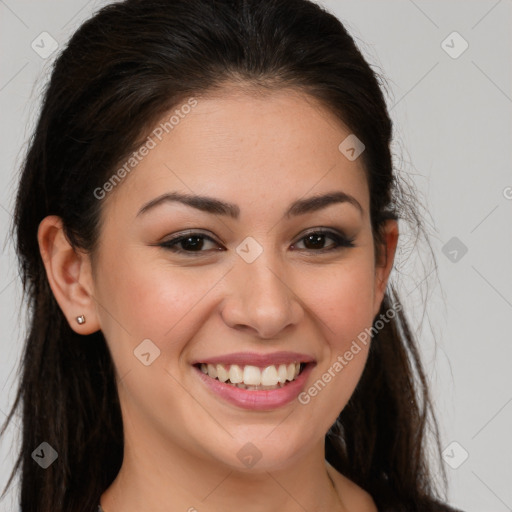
{"x": 384, "y": 264}
{"x": 69, "y": 274}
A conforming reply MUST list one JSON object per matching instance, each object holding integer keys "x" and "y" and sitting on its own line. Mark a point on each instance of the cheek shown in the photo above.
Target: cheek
{"x": 151, "y": 299}
{"x": 342, "y": 301}
{"x": 342, "y": 298}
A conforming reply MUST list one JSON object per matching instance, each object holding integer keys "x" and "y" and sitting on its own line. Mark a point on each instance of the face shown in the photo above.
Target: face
{"x": 253, "y": 281}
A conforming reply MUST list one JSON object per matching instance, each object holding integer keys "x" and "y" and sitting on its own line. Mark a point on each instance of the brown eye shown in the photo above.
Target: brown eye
{"x": 316, "y": 240}
{"x": 190, "y": 243}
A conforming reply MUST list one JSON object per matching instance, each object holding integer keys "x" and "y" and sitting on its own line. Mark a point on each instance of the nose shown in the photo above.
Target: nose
{"x": 260, "y": 298}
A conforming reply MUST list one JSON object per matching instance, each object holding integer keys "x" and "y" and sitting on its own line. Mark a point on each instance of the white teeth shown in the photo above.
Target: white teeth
{"x": 222, "y": 373}
{"x": 269, "y": 376}
{"x": 251, "y": 377}
{"x": 282, "y": 373}
{"x": 236, "y": 374}
{"x": 212, "y": 371}
{"x": 290, "y": 371}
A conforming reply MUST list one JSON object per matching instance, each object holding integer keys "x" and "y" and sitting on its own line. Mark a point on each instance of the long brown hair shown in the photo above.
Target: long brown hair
{"x": 120, "y": 72}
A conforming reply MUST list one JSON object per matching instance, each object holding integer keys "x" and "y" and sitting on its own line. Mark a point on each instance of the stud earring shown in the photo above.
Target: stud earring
{"x": 80, "y": 319}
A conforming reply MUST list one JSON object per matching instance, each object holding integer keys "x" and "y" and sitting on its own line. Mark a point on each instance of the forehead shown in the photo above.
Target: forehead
{"x": 266, "y": 149}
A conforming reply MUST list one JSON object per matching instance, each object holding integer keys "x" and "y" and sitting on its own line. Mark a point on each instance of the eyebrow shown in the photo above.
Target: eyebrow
{"x": 218, "y": 207}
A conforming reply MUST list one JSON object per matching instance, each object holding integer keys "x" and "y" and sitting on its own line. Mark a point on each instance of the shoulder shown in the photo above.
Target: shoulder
{"x": 355, "y": 497}
{"x": 428, "y": 505}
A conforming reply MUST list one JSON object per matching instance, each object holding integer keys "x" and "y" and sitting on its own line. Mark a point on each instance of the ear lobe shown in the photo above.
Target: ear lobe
{"x": 69, "y": 274}
{"x": 385, "y": 261}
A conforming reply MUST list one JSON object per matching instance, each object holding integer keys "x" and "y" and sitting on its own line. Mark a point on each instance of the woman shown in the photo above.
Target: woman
{"x": 206, "y": 224}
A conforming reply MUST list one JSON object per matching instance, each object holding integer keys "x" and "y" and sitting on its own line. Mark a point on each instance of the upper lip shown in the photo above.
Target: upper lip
{"x": 255, "y": 359}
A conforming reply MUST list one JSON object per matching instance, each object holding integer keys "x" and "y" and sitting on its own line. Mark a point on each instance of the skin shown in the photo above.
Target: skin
{"x": 261, "y": 152}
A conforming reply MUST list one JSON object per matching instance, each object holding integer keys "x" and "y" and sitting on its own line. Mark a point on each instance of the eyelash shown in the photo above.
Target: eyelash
{"x": 341, "y": 242}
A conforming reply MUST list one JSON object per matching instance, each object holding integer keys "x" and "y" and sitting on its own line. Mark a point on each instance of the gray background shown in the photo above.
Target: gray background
{"x": 452, "y": 140}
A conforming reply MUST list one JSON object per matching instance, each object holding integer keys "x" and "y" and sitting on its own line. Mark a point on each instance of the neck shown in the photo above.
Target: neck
{"x": 170, "y": 479}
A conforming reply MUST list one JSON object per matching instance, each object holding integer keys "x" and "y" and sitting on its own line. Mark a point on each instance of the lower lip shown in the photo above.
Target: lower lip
{"x": 257, "y": 400}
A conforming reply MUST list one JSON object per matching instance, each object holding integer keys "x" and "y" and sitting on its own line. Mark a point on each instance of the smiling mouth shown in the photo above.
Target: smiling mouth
{"x": 253, "y": 378}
